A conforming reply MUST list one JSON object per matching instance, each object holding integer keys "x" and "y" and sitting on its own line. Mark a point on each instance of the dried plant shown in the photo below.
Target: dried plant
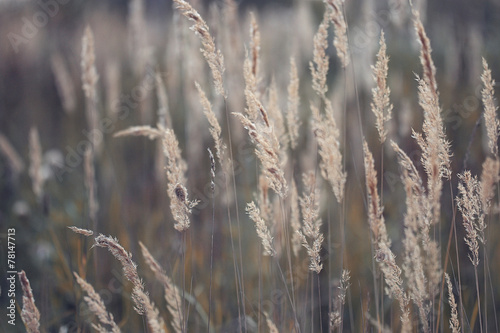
{"x": 213, "y": 56}
{"x": 147, "y": 131}
{"x": 215, "y": 129}
{"x": 89, "y": 78}
{"x": 336, "y": 315}
{"x": 490, "y": 176}
{"x": 417, "y": 243}
{"x": 327, "y": 134}
{"x": 172, "y": 293}
{"x": 292, "y": 114}
{"x": 375, "y": 211}
{"x": 454, "y": 323}
{"x": 29, "y": 314}
{"x": 469, "y": 204}
{"x": 97, "y": 307}
{"x": 262, "y": 229}
{"x": 383, "y": 254}
{"x": 180, "y": 205}
{"x": 340, "y": 41}
{"x": 267, "y": 146}
{"x": 142, "y": 303}
{"x": 276, "y": 119}
{"x": 434, "y": 145}
{"x": 425, "y": 56}
{"x": 381, "y": 105}
{"x": 490, "y": 109}
{"x": 254, "y": 51}
{"x": 311, "y": 224}
{"x": 320, "y": 64}
{"x": 81, "y": 231}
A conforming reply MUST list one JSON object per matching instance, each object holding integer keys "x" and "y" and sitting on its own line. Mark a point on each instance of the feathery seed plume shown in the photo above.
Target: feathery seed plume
{"x": 490, "y": 109}
{"x": 215, "y": 129}
{"x": 454, "y": 323}
{"x": 89, "y": 78}
{"x": 319, "y": 68}
{"x": 425, "y": 55}
{"x": 311, "y": 223}
{"x": 469, "y": 204}
{"x": 340, "y": 41}
{"x": 142, "y": 303}
{"x": 172, "y": 293}
{"x": 262, "y": 229}
{"x": 327, "y": 134}
{"x": 213, "y": 56}
{"x": 381, "y": 105}
{"x": 97, "y": 307}
{"x": 81, "y": 231}
{"x": 29, "y": 314}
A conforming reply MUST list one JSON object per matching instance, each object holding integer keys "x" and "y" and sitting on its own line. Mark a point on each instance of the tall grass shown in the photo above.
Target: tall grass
{"x": 313, "y": 214}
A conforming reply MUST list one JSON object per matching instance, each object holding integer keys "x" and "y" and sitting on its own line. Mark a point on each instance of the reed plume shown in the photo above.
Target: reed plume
{"x": 320, "y": 64}
{"x": 469, "y": 204}
{"x": 454, "y": 323}
{"x": 29, "y": 314}
{"x": 81, "y": 231}
{"x": 381, "y": 104}
{"x": 425, "y": 55}
{"x": 172, "y": 293}
{"x": 434, "y": 145}
{"x": 212, "y": 55}
{"x": 180, "y": 205}
{"x": 311, "y": 223}
{"x": 98, "y": 308}
{"x": 383, "y": 254}
{"x": 215, "y": 129}
{"x": 336, "y": 315}
{"x": 490, "y": 109}
{"x": 254, "y": 51}
{"x": 142, "y": 303}
{"x": 262, "y": 229}
{"x": 89, "y": 78}
{"x": 327, "y": 135}
{"x": 267, "y": 146}
{"x": 417, "y": 243}
{"x": 490, "y": 176}
{"x": 340, "y": 40}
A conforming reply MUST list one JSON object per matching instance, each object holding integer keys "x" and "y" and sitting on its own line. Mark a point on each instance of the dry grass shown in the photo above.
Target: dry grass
{"x": 368, "y": 238}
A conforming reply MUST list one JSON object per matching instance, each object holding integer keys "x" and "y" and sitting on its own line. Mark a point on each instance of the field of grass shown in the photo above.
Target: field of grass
{"x": 238, "y": 166}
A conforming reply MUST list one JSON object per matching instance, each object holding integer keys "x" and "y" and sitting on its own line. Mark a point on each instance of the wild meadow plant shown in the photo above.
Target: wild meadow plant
{"x": 274, "y": 193}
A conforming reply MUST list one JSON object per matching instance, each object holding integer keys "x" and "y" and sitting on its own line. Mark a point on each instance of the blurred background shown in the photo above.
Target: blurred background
{"x": 138, "y": 40}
